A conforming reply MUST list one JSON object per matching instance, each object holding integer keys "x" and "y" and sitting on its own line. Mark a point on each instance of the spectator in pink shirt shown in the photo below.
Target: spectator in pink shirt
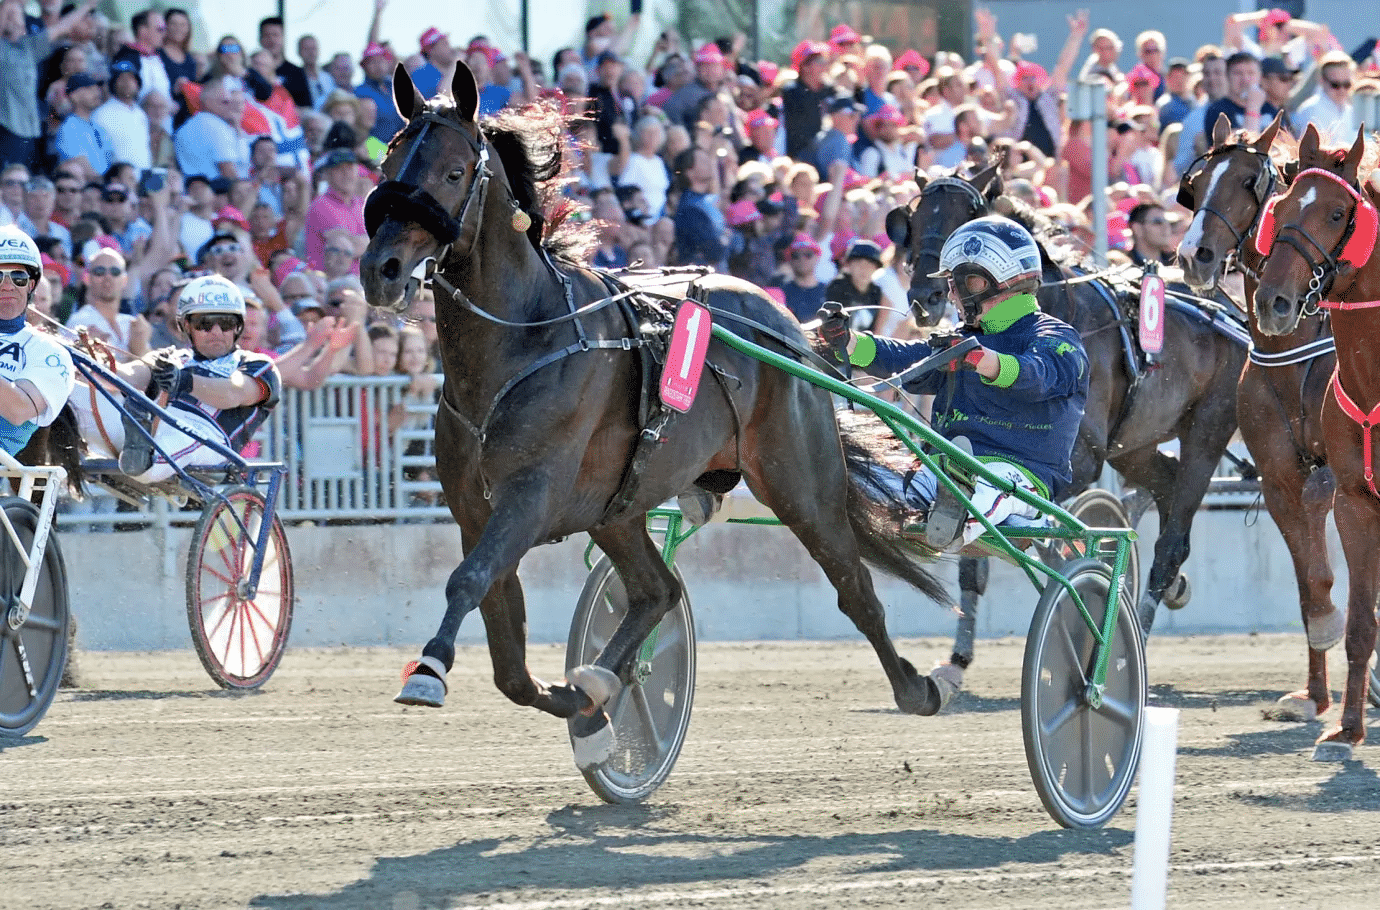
{"x": 339, "y": 207}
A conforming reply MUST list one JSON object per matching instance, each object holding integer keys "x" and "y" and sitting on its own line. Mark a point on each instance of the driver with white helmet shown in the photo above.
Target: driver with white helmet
{"x": 1016, "y": 400}
{"x": 214, "y": 388}
{"x": 36, "y": 375}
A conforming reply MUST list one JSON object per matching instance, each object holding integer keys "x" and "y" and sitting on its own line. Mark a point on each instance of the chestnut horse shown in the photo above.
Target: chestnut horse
{"x": 1319, "y": 241}
{"x": 537, "y": 436}
{"x": 1279, "y": 400}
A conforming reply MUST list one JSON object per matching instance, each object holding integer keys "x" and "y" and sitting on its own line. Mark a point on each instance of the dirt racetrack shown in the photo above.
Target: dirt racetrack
{"x": 799, "y": 787}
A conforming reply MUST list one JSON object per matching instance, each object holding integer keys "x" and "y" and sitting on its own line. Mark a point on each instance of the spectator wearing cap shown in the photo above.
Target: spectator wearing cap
{"x": 378, "y": 87}
{"x": 211, "y": 143}
{"x": 757, "y": 227}
{"x": 117, "y": 208}
{"x": 1245, "y": 104}
{"x": 601, "y": 35}
{"x": 1152, "y": 238}
{"x": 1106, "y": 50}
{"x": 338, "y": 207}
{"x": 1150, "y": 48}
{"x": 803, "y": 290}
{"x": 762, "y": 135}
{"x": 1038, "y": 119}
{"x": 835, "y": 141}
{"x": 440, "y": 58}
{"x": 683, "y": 106}
{"x": 608, "y": 104}
{"x": 1278, "y": 35}
{"x": 701, "y": 232}
{"x": 80, "y": 143}
{"x": 911, "y": 63}
{"x": 854, "y": 286}
{"x": 1278, "y": 78}
{"x": 20, "y": 55}
{"x": 292, "y": 76}
{"x": 887, "y": 156}
{"x": 845, "y": 41}
{"x": 492, "y": 96}
{"x": 1331, "y": 109}
{"x": 1141, "y": 83}
{"x": 1177, "y": 100}
{"x": 802, "y": 101}
{"x": 36, "y": 220}
{"x": 123, "y": 120}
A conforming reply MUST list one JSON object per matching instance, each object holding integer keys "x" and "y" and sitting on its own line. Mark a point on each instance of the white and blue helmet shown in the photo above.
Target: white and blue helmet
{"x": 210, "y": 294}
{"x": 18, "y": 248}
{"x": 989, "y": 257}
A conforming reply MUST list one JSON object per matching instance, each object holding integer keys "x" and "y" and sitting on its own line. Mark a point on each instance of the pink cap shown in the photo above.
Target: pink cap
{"x": 804, "y": 242}
{"x": 50, "y": 263}
{"x": 1277, "y": 17}
{"x": 1142, "y": 73}
{"x": 709, "y": 53}
{"x": 1029, "y": 70}
{"x": 744, "y": 211}
{"x": 430, "y": 37}
{"x": 760, "y": 117}
{"x": 776, "y": 294}
{"x": 844, "y": 34}
{"x": 768, "y": 70}
{"x": 911, "y": 58}
{"x": 887, "y": 113}
{"x": 233, "y": 215}
{"x": 285, "y": 267}
{"x": 807, "y": 49}
{"x": 374, "y": 49}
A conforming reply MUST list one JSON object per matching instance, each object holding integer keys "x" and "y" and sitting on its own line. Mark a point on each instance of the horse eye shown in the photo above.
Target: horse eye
{"x": 1337, "y": 214}
{"x": 455, "y": 175}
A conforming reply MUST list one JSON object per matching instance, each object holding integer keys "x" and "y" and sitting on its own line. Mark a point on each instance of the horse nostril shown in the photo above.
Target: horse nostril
{"x": 1282, "y": 307}
{"x": 391, "y": 269}
{"x": 1203, "y": 255}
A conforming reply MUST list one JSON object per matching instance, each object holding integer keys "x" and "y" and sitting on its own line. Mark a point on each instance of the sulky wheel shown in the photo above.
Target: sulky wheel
{"x": 1100, "y": 509}
{"x": 239, "y": 638}
{"x": 650, "y": 714}
{"x": 1083, "y": 759}
{"x": 33, "y": 654}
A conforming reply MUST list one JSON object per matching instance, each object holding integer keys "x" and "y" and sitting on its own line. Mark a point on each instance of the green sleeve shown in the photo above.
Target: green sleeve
{"x": 1009, "y": 369}
{"x": 864, "y": 350}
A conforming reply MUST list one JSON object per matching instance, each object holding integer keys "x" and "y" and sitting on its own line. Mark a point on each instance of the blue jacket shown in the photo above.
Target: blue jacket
{"x": 1029, "y": 414}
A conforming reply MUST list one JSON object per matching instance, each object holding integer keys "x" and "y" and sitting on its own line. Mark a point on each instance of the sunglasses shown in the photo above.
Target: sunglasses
{"x": 114, "y": 197}
{"x": 335, "y": 302}
{"x": 222, "y": 248}
{"x": 205, "y": 322}
{"x": 20, "y": 277}
{"x": 229, "y": 48}
{"x": 63, "y": 190}
{"x": 15, "y": 181}
{"x": 100, "y": 271}
{"x": 1345, "y": 85}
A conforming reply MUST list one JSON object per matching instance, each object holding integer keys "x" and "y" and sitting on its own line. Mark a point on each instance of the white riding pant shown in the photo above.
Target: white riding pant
{"x": 109, "y": 431}
{"x": 997, "y": 505}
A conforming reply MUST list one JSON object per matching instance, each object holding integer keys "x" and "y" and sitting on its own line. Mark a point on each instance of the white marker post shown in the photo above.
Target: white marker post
{"x": 1154, "y": 809}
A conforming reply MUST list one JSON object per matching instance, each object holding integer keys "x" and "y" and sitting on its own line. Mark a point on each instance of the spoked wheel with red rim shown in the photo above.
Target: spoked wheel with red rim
{"x": 240, "y": 634}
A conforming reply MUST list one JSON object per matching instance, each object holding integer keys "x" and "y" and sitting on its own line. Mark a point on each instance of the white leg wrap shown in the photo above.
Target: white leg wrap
{"x": 423, "y": 688}
{"x": 596, "y": 682}
{"x": 1326, "y": 631}
{"x": 949, "y": 679}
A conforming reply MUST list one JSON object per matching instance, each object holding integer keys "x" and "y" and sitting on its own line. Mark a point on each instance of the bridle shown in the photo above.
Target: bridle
{"x": 1325, "y": 269}
{"x": 977, "y": 206}
{"x": 1267, "y": 176}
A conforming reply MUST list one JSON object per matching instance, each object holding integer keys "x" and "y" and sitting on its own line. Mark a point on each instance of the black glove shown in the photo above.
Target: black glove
{"x": 170, "y": 378}
{"x": 942, "y": 341}
{"x": 833, "y": 326}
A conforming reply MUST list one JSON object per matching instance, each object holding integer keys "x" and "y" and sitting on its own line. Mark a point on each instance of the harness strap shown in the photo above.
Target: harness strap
{"x": 1353, "y": 305}
{"x": 1313, "y": 349}
{"x": 1367, "y": 421}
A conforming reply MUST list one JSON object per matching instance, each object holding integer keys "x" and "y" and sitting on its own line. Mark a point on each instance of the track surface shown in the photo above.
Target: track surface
{"x": 799, "y": 787}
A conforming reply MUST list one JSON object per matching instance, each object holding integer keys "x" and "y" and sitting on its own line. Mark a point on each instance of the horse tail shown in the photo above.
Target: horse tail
{"x": 65, "y": 447}
{"x": 874, "y": 512}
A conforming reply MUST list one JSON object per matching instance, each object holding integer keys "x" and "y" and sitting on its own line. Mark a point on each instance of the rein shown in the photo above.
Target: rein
{"x": 1267, "y": 174}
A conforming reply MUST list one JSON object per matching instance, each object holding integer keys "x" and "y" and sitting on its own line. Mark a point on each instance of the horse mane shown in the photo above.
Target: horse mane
{"x": 1283, "y": 151}
{"x": 531, "y": 142}
{"x": 1045, "y": 232}
{"x": 1370, "y": 158}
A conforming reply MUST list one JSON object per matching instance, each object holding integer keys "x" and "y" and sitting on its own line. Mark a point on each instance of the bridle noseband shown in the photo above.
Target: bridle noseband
{"x": 1268, "y": 175}
{"x": 977, "y": 206}
{"x": 1324, "y": 273}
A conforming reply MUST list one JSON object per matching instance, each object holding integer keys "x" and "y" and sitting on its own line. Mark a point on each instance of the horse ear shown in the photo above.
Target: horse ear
{"x": 1352, "y": 162}
{"x": 1267, "y": 138}
{"x": 921, "y": 179}
{"x": 1308, "y": 146}
{"x": 1221, "y": 130}
{"x": 465, "y": 91}
{"x": 986, "y": 179}
{"x": 898, "y": 226}
{"x": 406, "y": 98}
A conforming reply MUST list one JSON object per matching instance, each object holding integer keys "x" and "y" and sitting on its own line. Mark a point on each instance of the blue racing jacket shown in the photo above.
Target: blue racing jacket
{"x": 1029, "y": 414}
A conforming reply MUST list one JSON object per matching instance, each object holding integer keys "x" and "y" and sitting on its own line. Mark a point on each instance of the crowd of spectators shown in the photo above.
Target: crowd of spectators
{"x": 136, "y": 162}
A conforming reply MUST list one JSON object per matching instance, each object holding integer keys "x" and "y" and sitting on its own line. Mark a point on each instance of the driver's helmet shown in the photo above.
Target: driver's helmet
{"x": 987, "y": 258}
{"x": 18, "y": 248}
{"x": 210, "y": 294}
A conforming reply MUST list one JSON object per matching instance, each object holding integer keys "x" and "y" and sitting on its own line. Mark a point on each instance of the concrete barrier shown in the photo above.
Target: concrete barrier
{"x": 384, "y": 585}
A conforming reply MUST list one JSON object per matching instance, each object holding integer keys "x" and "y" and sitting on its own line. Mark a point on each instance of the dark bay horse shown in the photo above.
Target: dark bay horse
{"x": 1319, "y": 242}
{"x": 1279, "y": 400}
{"x": 1191, "y": 396}
{"x": 539, "y": 417}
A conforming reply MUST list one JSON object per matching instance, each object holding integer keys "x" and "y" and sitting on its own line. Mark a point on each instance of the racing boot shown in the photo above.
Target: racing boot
{"x": 944, "y": 524}
{"x": 136, "y": 456}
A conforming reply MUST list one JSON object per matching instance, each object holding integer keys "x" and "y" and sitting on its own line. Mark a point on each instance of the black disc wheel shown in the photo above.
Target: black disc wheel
{"x": 34, "y": 652}
{"x": 1082, "y": 757}
{"x": 1100, "y": 509}
{"x": 651, "y": 713}
{"x": 239, "y": 635}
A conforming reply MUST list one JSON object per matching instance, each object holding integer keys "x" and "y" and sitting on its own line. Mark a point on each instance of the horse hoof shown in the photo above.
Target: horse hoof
{"x": 1296, "y": 707}
{"x": 948, "y": 679}
{"x": 593, "y": 740}
{"x": 424, "y": 689}
{"x": 1326, "y": 631}
{"x": 1179, "y": 593}
{"x": 598, "y": 685}
{"x": 1332, "y": 750}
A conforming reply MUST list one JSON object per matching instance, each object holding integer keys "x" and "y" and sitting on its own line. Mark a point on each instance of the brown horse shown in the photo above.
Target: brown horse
{"x": 1319, "y": 241}
{"x": 1279, "y": 399}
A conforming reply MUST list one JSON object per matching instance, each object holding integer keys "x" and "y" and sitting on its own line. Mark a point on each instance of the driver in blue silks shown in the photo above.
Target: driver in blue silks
{"x": 1015, "y": 402}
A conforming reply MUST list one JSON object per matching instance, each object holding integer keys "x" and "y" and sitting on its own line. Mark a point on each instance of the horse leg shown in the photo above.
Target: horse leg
{"x": 652, "y": 591}
{"x": 972, "y": 584}
{"x": 1358, "y": 524}
{"x": 1154, "y": 472}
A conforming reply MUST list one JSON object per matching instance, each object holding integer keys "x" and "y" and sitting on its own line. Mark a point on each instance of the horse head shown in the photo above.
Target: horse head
{"x": 921, "y": 228}
{"x": 1227, "y": 189}
{"x": 431, "y": 204}
{"x": 1317, "y": 236}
